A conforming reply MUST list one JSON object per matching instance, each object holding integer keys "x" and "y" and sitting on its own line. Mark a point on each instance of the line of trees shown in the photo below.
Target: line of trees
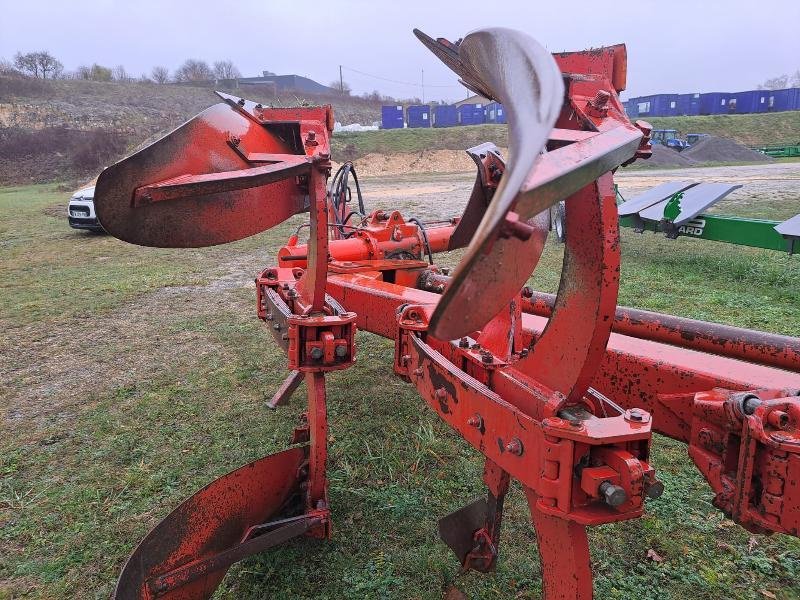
{"x": 43, "y": 65}
{"x": 781, "y": 82}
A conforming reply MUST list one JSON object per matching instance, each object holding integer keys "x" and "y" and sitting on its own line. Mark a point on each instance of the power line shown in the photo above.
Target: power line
{"x": 400, "y": 82}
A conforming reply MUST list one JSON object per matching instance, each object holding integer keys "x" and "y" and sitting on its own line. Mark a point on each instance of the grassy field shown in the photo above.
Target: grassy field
{"x": 350, "y": 145}
{"x": 130, "y": 377}
{"x": 750, "y": 130}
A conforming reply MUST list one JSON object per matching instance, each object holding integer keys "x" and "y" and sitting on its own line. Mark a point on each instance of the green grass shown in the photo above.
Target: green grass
{"x": 80, "y": 488}
{"x": 750, "y": 130}
{"x": 351, "y": 145}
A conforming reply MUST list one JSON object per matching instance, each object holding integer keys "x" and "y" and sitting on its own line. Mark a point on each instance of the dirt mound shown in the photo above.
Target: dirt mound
{"x": 666, "y": 157}
{"x": 717, "y": 149}
{"x": 427, "y": 161}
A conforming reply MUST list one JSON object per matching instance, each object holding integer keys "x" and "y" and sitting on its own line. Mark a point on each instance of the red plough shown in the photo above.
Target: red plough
{"x": 560, "y": 393}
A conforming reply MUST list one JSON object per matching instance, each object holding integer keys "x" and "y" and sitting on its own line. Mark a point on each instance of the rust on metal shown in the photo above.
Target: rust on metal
{"x": 561, "y": 393}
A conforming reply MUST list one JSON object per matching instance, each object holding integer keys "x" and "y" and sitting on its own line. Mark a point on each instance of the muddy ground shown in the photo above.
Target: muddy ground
{"x": 443, "y": 195}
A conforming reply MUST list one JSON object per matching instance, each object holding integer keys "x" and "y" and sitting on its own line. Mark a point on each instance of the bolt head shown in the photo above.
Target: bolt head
{"x": 475, "y": 421}
{"x": 637, "y": 415}
{"x": 514, "y": 447}
{"x": 613, "y": 495}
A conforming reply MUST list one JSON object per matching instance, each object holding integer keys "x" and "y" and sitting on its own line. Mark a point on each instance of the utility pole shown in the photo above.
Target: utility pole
{"x": 341, "y": 81}
{"x": 423, "y": 86}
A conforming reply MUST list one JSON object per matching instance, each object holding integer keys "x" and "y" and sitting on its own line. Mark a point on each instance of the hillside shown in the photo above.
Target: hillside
{"x": 750, "y": 130}
{"x": 353, "y": 145}
{"x": 68, "y": 130}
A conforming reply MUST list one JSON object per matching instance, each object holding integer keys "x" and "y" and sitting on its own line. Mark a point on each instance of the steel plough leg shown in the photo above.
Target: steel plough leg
{"x": 317, "y": 490}
{"x": 288, "y": 387}
{"x": 564, "y": 554}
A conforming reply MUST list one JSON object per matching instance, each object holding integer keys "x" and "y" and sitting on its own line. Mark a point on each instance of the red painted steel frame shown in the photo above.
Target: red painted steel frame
{"x": 560, "y": 403}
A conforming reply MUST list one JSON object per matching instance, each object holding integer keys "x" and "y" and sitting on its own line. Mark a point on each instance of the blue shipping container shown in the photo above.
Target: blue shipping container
{"x": 445, "y": 116}
{"x": 470, "y": 114}
{"x": 743, "y": 102}
{"x": 392, "y": 117}
{"x": 688, "y": 104}
{"x": 714, "y": 103}
{"x": 419, "y": 116}
{"x": 777, "y": 100}
{"x": 762, "y": 101}
{"x": 495, "y": 113}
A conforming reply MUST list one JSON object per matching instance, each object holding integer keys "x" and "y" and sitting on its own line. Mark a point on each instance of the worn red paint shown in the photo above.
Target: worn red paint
{"x": 559, "y": 393}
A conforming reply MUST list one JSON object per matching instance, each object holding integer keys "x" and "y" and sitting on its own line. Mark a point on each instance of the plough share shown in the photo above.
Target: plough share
{"x": 560, "y": 393}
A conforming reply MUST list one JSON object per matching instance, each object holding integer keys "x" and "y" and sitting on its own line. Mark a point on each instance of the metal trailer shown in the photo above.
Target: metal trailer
{"x": 419, "y": 116}
{"x": 562, "y": 396}
{"x": 392, "y": 117}
{"x": 445, "y": 115}
{"x": 689, "y": 104}
{"x": 470, "y": 114}
{"x": 714, "y": 103}
{"x": 630, "y": 109}
{"x": 494, "y": 113}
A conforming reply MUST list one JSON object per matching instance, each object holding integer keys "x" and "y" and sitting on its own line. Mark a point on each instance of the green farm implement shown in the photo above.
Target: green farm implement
{"x": 677, "y": 209}
{"x": 778, "y": 151}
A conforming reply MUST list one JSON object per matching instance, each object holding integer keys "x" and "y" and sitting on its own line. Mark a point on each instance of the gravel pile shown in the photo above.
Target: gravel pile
{"x": 667, "y": 157}
{"x": 717, "y": 149}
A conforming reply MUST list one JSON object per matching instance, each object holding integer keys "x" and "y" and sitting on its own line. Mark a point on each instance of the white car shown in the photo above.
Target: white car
{"x": 81, "y": 210}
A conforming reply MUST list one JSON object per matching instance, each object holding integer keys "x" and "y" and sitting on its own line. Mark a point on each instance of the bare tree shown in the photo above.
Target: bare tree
{"x": 120, "y": 74}
{"x": 341, "y": 86}
{"x": 775, "y": 83}
{"x": 795, "y": 82}
{"x": 41, "y": 65}
{"x": 27, "y": 63}
{"x": 49, "y": 65}
{"x": 160, "y": 74}
{"x": 7, "y": 68}
{"x": 194, "y": 70}
{"x": 225, "y": 69}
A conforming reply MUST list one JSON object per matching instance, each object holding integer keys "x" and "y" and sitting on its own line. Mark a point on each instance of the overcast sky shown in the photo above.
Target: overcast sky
{"x": 673, "y": 46}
